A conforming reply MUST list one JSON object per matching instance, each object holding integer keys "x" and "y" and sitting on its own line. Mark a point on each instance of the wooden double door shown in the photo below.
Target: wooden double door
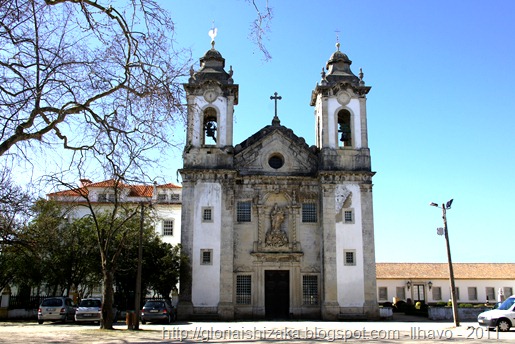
{"x": 277, "y": 294}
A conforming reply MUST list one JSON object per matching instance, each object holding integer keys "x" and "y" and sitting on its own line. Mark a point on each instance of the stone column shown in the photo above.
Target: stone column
{"x": 4, "y": 304}
{"x": 330, "y": 306}
{"x": 226, "y": 305}
{"x": 371, "y": 308}
{"x": 185, "y": 306}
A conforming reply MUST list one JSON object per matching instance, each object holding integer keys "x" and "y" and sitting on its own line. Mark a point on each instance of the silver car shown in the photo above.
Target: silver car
{"x": 90, "y": 310}
{"x": 56, "y": 309}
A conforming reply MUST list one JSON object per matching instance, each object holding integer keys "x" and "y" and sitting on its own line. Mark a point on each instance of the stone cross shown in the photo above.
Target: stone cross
{"x": 275, "y": 97}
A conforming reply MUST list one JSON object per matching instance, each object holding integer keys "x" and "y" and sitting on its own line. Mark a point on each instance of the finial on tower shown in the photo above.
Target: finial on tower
{"x": 212, "y": 33}
{"x": 337, "y": 39}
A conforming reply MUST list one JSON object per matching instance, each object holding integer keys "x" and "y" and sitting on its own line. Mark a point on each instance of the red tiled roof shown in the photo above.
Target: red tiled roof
{"x": 135, "y": 190}
{"x": 441, "y": 270}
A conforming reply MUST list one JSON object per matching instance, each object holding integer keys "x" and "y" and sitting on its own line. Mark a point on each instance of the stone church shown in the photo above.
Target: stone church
{"x": 275, "y": 229}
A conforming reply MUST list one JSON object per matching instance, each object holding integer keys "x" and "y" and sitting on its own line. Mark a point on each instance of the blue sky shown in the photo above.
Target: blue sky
{"x": 440, "y": 111}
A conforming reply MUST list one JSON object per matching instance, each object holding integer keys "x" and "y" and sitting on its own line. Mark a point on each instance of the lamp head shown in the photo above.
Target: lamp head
{"x": 448, "y": 204}
{"x": 433, "y": 204}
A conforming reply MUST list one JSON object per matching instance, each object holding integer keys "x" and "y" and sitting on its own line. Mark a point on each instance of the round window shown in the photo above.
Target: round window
{"x": 276, "y": 161}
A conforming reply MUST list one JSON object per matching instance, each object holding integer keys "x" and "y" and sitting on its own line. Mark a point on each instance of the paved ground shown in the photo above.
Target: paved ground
{"x": 392, "y": 331}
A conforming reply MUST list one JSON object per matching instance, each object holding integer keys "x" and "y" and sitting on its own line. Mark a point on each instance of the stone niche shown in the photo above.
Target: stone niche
{"x": 277, "y": 229}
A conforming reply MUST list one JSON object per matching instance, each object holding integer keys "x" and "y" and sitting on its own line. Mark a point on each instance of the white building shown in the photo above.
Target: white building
{"x": 429, "y": 282}
{"x": 165, "y": 200}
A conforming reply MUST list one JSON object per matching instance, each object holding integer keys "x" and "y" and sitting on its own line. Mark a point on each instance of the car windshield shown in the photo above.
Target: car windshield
{"x": 90, "y": 303}
{"x": 52, "y": 303}
{"x": 507, "y": 304}
{"x": 154, "y": 304}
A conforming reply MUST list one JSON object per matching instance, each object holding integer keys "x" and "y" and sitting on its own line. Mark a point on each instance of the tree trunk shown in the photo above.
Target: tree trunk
{"x": 107, "y": 296}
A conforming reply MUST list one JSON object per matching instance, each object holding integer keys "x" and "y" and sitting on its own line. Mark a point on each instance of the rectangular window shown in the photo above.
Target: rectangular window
{"x": 243, "y": 289}
{"x": 457, "y": 293}
{"x": 349, "y": 257}
{"x": 508, "y": 291}
{"x": 490, "y": 294}
{"x": 167, "y": 227}
{"x": 310, "y": 290}
{"x": 206, "y": 257}
{"x": 472, "y": 293}
{"x": 102, "y": 197}
{"x": 174, "y": 197}
{"x": 309, "y": 212}
{"x": 243, "y": 211}
{"x": 207, "y": 214}
{"x": 437, "y": 293}
{"x": 383, "y": 293}
{"x": 161, "y": 197}
{"x": 400, "y": 293}
{"x": 348, "y": 216}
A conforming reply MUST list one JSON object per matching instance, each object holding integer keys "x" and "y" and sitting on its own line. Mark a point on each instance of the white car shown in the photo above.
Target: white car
{"x": 90, "y": 310}
{"x": 503, "y": 317}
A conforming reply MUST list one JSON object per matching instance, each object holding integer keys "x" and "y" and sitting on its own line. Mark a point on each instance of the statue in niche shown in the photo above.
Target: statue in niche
{"x": 276, "y": 236}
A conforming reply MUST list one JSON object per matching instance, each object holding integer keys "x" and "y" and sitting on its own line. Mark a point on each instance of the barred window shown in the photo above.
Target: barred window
{"x": 167, "y": 227}
{"x": 243, "y": 211}
{"x": 174, "y": 197}
{"x": 400, "y": 292}
{"x": 490, "y": 293}
{"x": 161, "y": 197}
{"x": 310, "y": 290}
{"x": 102, "y": 197}
{"x": 349, "y": 218}
{"x": 243, "y": 289}
{"x": 437, "y": 293}
{"x": 349, "y": 256}
{"x": 207, "y": 215}
{"x": 206, "y": 256}
{"x": 472, "y": 293}
{"x": 383, "y": 293}
{"x": 309, "y": 212}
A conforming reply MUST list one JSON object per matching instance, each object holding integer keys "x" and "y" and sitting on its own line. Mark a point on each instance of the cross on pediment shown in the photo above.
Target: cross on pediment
{"x": 275, "y": 98}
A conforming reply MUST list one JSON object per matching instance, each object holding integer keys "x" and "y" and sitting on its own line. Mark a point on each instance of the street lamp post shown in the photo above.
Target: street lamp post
{"x": 445, "y": 207}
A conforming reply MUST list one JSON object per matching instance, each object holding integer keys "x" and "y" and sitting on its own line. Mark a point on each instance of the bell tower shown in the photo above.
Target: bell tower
{"x": 341, "y": 116}
{"x": 345, "y": 176}
{"x": 207, "y": 190}
{"x": 211, "y": 96}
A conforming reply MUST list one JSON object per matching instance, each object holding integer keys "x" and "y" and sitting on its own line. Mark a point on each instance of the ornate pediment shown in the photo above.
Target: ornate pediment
{"x": 275, "y": 150}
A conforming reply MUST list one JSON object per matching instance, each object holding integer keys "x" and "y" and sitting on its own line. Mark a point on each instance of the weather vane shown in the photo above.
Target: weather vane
{"x": 337, "y": 39}
{"x": 212, "y": 34}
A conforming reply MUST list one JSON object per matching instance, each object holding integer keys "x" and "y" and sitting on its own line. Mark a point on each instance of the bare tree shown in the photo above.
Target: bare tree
{"x": 72, "y": 71}
{"x": 260, "y": 27}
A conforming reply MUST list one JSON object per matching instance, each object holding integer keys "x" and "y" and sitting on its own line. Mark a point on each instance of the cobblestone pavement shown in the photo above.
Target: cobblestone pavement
{"x": 253, "y": 332}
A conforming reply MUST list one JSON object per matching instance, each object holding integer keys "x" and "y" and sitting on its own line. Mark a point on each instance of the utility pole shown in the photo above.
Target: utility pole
{"x": 137, "y": 298}
{"x": 445, "y": 207}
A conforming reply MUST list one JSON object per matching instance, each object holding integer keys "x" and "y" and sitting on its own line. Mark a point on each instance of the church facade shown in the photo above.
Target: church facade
{"x": 273, "y": 228}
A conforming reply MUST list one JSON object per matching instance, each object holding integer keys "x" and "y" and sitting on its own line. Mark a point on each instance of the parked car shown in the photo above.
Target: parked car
{"x": 158, "y": 311}
{"x": 90, "y": 310}
{"x": 56, "y": 309}
{"x": 502, "y": 317}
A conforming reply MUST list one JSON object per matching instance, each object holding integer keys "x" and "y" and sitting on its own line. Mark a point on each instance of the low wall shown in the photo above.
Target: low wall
{"x": 445, "y": 313}
{"x": 22, "y": 314}
{"x": 385, "y": 312}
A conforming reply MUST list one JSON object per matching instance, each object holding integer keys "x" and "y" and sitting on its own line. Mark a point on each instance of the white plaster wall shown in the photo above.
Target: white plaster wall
{"x": 169, "y": 212}
{"x": 332, "y": 131}
{"x": 220, "y": 104}
{"x": 206, "y": 235}
{"x": 463, "y": 285}
{"x": 350, "y": 280}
